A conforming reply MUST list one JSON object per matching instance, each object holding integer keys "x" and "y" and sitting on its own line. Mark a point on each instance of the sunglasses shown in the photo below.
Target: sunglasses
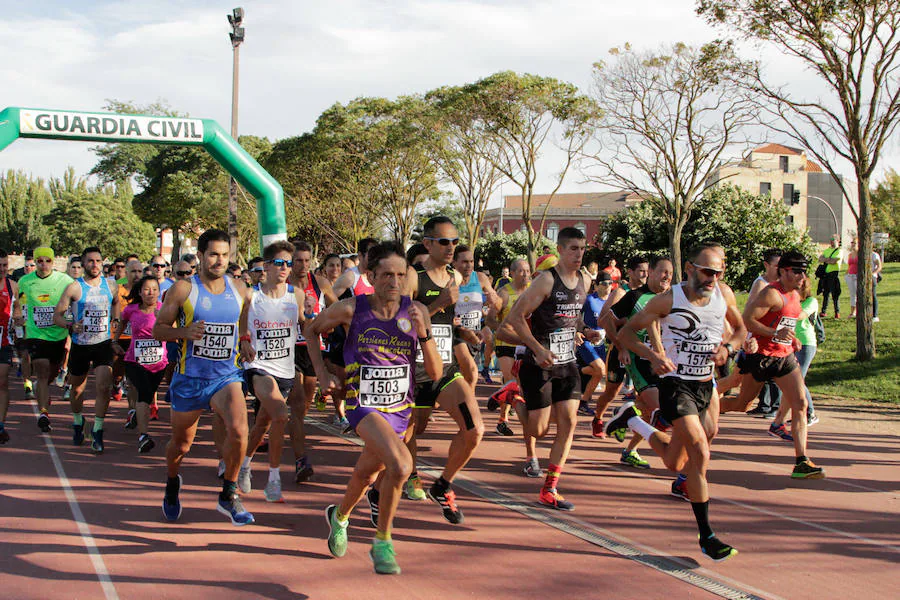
{"x": 45, "y": 261}
{"x": 708, "y": 271}
{"x": 798, "y": 271}
{"x": 119, "y": 266}
{"x": 158, "y": 265}
{"x": 444, "y": 241}
{"x": 256, "y": 270}
{"x": 183, "y": 273}
{"x": 280, "y": 262}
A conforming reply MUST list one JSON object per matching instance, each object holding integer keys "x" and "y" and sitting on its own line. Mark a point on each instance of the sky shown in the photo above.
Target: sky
{"x": 300, "y": 57}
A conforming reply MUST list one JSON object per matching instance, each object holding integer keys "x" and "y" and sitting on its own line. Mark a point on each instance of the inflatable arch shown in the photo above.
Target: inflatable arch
{"x": 109, "y": 127}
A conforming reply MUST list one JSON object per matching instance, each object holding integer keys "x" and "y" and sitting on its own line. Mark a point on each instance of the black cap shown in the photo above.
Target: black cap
{"x": 603, "y": 276}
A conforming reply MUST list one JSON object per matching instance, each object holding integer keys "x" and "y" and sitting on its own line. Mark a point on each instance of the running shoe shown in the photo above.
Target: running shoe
{"x": 273, "y": 491}
{"x": 220, "y": 470}
{"x": 4, "y": 436}
{"x": 770, "y": 415}
{"x": 67, "y": 392}
{"x": 875, "y": 319}
{"x": 320, "y": 401}
{"x": 43, "y": 423}
{"x": 658, "y": 422}
{"x": 617, "y": 427}
{"x": 171, "y": 504}
{"x": 77, "y": 435}
{"x": 243, "y": 481}
{"x": 154, "y": 411}
{"x": 447, "y": 501}
{"x": 584, "y": 410}
{"x": 679, "y": 488}
{"x": 337, "y": 532}
{"x": 60, "y": 379}
{"x": 131, "y": 422}
{"x": 533, "y": 469}
{"x": 811, "y": 420}
{"x": 486, "y": 375}
{"x": 372, "y": 497}
{"x": 303, "y": 470}
{"x": 633, "y": 459}
{"x": 808, "y": 470}
{"x": 29, "y": 390}
{"x": 716, "y": 549}
{"x": 97, "y": 442}
{"x": 552, "y": 498}
{"x": 413, "y": 490}
{"x": 384, "y": 558}
{"x": 503, "y": 429}
{"x": 780, "y": 431}
{"x": 234, "y": 510}
{"x": 145, "y": 444}
{"x": 597, "y": 428}
{"x": 344, "y": 423}
{"x": 117, "y": 393}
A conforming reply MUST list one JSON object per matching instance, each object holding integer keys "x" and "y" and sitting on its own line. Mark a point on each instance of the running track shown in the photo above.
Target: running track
{"x": 73, "y": 525}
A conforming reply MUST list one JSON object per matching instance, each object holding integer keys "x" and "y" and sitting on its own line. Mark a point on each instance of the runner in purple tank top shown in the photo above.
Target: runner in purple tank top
{"x": 384, "y": 332}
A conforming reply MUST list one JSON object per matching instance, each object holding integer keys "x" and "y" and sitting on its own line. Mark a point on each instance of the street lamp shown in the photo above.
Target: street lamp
{"x": 837, "y": 230}
{"x": 235, "y": 19}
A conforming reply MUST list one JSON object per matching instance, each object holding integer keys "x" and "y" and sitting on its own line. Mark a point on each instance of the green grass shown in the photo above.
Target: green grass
{"x": 836, "y": 373}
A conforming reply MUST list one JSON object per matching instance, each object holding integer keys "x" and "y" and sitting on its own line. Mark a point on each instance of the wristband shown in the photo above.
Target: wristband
{"x": 427, "y": 337}
{"x": 246, "y": 337}
{"x": 729, "y": 347}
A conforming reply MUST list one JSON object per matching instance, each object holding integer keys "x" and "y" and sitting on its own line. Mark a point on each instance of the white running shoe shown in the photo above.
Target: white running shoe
{"x": 273, "y": 491}
{"x": 244, "y": 480}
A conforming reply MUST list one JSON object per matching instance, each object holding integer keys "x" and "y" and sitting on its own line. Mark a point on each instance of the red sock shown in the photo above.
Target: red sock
{"x": 552, "y": 480}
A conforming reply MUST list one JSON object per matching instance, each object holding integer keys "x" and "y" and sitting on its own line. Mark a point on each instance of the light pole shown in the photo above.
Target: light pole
{"x": 837, "y": 229}
{"x": 237, "y": 37}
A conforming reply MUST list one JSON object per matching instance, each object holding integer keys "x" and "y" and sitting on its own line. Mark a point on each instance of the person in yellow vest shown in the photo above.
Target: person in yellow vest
{"x": 831, "y": 282}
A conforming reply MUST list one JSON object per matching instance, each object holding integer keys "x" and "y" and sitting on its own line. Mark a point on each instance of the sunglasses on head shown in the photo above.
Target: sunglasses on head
{"x": 183, "y": 273}
{"x": 159, "y": 265}
{"x": 708, "y": 271}
{"x": 280, "y": 262}
{"x": 444, "y": 241}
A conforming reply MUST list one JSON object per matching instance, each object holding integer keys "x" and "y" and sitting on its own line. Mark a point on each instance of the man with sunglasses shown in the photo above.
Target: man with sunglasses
{"x": 158, "y": 267}
{"x": 771, "y": 318}
{"x": 41, "y": 290}
{"x": 436, "y": 286}
{"x": 692, "y": 318}
{"x": 318, "y": 294}
{"x": 256, "y": 268}
{"x": 268, "y": 326}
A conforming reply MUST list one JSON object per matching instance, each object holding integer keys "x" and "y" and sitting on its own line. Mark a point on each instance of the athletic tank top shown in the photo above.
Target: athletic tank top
{"x": 42, "y": 295}
{"x": 311, "y": 290}
{"x": 380, "y": 359}
{"x": 590, "y": 312}
{"x": 441, "y": 323}
{"x": 271, "y": 323}
{"x": 470, "y": 305}
{"x": 512, "y": 296}
{"x": 94, "y": 310}
{"x": 215, "y": 354}
{"x": 778, "y": 319}
{"x": 361, "y": 285}
{"x": 691, "y": 334}
{"x": 631, "y": 304}
{"x": 6, "y": 303}
{"x": 555, "y": 321}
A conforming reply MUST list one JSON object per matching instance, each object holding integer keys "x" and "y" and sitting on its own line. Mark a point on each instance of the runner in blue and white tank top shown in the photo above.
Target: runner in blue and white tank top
{"x": 385, "y": 331}
{"x": 208, "y": 377}
{"x": 94, "y": 307}
{"x": 268, "y": 322}
{"x": 592, "y": 357}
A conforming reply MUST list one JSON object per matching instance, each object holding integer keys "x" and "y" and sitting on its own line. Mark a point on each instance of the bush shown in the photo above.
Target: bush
{"x": 498, "y": 250}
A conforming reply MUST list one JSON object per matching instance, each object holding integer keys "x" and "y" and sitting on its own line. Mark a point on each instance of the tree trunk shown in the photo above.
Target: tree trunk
{"x": 176, "y": 245}
{"x": 865, "y": 333}
{"x": 675, "y": 230}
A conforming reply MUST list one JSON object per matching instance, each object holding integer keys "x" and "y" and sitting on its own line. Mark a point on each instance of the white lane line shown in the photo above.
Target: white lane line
{"x": 109, "y": 590}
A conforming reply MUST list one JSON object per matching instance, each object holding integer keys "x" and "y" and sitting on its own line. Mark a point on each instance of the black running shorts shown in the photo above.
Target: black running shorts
{"x": 543, "y": 387}
{"x": 763, "y": 368}
{"x": 615, "y": 372}
{"x": 47, "y": 350}
{"x": 81, "y": 357}
{"x": 426, "y": 394}
{"x": 681, "y": 397}
{"x": 302, "y": 362}
{"x": 505, "y": 351}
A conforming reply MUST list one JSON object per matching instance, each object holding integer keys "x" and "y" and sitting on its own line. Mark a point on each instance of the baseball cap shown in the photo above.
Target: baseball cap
{"x": 44, "y": 252}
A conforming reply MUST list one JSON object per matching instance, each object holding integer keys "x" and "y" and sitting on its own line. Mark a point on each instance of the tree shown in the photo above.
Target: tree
{"x": 886, "y": 212}
{"x": 498, "y": 250}
{"x": 667, "y": 118}
{"x": 459, "y": 150}
{"x": 95, "y": 216}
{"x": 854, "y": 48}
{"x": 517, "y": 115}
{"x": 451, "y": 209}
{"x": 24, "y": 201}
{"x": 745, "y": 224}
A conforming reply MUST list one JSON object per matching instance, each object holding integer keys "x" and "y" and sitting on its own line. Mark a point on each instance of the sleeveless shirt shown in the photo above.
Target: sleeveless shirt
{"x": 271, "y": 323}
{"x": 215, "y": 354}
{"x": 555, "y": 321}
{"x": 691, "y": 334}
{"x": 778, "y": 319}
{"x": 94, "y": 310}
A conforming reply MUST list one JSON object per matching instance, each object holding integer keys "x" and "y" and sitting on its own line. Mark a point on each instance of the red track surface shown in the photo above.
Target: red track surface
{"x": 835, "y": 538}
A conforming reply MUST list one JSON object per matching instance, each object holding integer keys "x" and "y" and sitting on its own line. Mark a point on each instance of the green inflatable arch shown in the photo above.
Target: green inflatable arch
{"x": 142, "y": 129}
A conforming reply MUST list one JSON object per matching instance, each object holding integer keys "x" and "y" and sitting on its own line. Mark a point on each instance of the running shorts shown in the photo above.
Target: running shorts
{"x": 542, "y": 387}
{"x": 681, "y": 397}
{"x": 763, "y": 368}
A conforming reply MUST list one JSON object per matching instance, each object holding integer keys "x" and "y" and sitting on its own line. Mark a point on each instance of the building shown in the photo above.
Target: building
{"x": 585, "y": 211}
{"x": 815, "y": 199}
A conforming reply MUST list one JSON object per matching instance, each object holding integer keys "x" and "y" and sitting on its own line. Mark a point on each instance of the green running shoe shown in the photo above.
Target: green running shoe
{"x": 413, "y": 488}
{"x": 634, "y": 459}
{"x": 337, "y": 532}
{"x": 384, "y": 558}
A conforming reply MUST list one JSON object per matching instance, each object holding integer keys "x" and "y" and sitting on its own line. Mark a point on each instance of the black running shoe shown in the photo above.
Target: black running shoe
{"x": 97, "y": 444}
{"x": 303, "y": 471}
{"x": 4, "y": 437}
{"x": 447, "y": 501}
{"x": 145, "y": 444}
{"x": 131, "y": 423}
{"x": 171, "y": 505}
{"x": 617, "y": 427}
{"x": 43, "y": 423}
{"x": 372, "y": 497}
{"x": 504, "y": 429}
{"x": 808, "y": 470}
{"x": 716, "y": 549}
{"x": 77, "y": 435}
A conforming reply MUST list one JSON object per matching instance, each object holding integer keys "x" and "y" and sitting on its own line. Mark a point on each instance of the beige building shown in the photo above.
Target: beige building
{"x": 815, "y": 199}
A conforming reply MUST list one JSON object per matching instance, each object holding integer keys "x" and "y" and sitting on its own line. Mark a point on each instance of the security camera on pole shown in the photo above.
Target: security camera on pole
{"x": 237, "y": 37}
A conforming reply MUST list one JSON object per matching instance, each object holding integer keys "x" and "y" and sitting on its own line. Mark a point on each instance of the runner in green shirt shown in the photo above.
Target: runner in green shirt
{"x": 41, "y": 291}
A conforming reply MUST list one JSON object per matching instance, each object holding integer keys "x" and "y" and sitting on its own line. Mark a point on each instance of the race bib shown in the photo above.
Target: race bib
{"x": 147, "y": 352}
{"x": 562, "y": 344}
{"x": 217, "y": 342}
{"x": 471, "y": 320}
{"x": 443, "y": 337}
{"x": 272, "y": 344}
{"x": 43, "y": 316}
{"x": 790, "y": 323}
{"x": 96, "y": 320}
{"x": 382, "y": 387}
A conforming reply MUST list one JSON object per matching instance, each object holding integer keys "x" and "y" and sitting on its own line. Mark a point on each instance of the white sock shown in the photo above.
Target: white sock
{"x": 641, "y": 427}
{"x": 274, "y": 474}
{"x": 246, "y": 463}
